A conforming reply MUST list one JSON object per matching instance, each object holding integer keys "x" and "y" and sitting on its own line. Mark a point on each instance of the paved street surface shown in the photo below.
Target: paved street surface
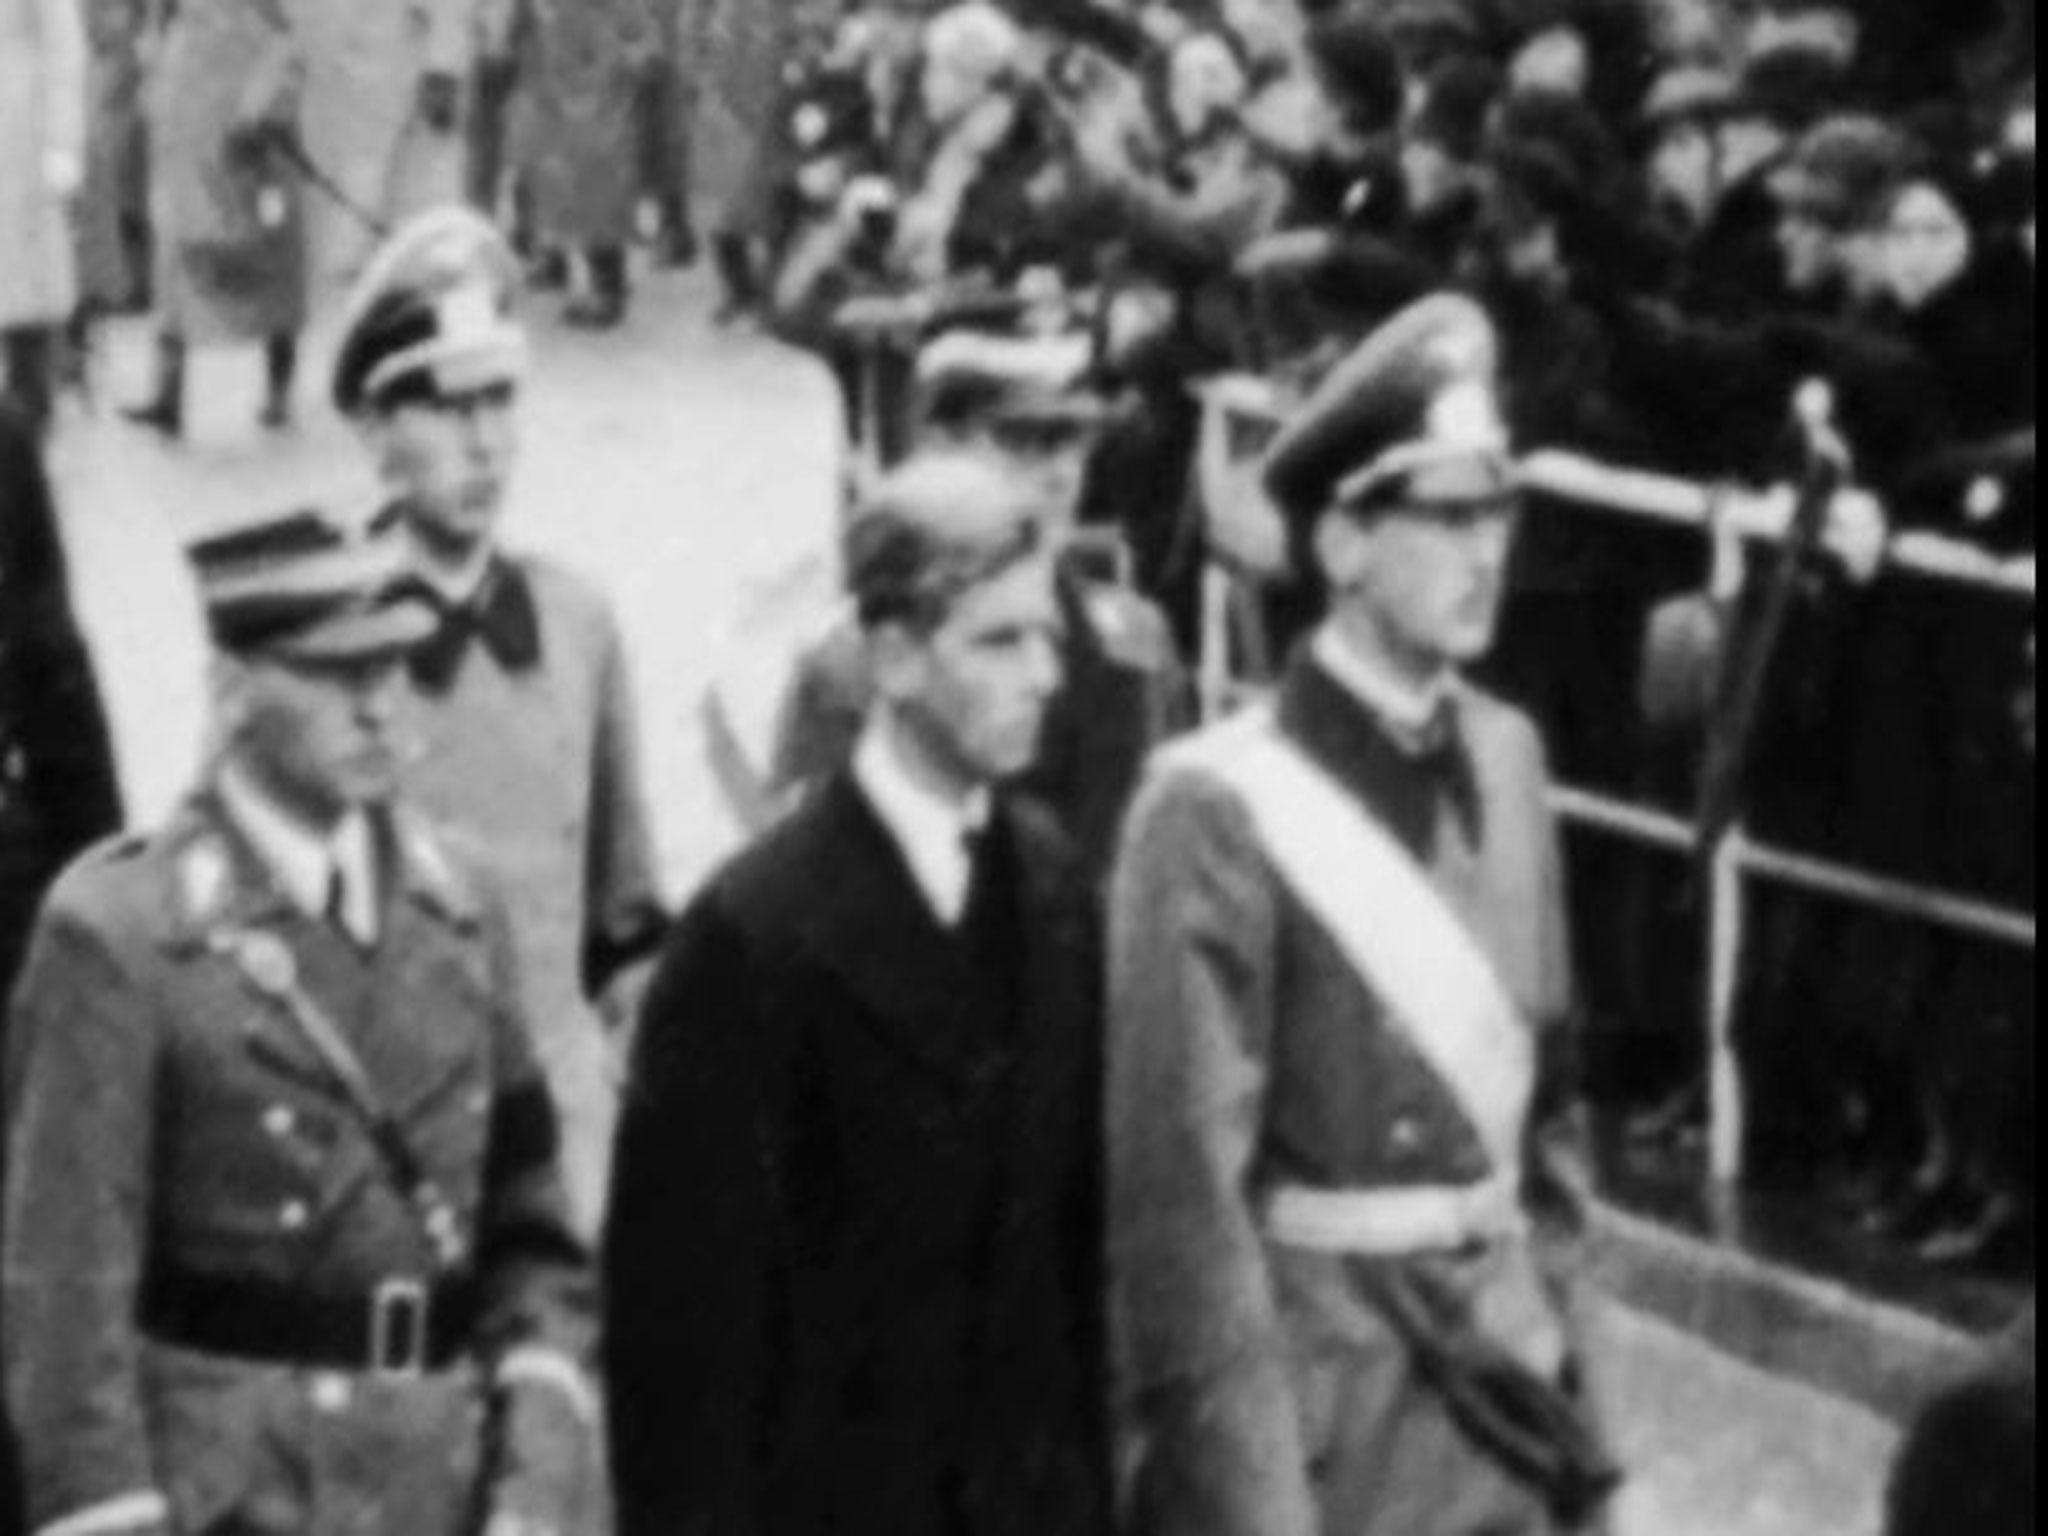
{"x": 694, "y": 473}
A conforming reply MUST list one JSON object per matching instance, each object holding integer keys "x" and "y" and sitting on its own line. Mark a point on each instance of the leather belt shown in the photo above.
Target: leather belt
{"x": 1393, "y": 1222}
{"x": 403, "y": 1326}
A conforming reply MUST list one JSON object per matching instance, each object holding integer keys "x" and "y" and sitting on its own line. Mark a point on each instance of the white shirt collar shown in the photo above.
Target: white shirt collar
{"x": 932, "y": 832}
{"x": 455, "y": 587}
{"x": 1408, "y": 709}
{"x": 301, "y": 861}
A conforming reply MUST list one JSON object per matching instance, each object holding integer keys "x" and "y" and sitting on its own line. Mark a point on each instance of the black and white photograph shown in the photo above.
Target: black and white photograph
{"x": 1017, "y": 768}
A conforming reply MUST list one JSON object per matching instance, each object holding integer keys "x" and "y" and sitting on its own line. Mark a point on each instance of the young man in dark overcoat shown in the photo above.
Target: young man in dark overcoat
{"x": 852, "y": 1255}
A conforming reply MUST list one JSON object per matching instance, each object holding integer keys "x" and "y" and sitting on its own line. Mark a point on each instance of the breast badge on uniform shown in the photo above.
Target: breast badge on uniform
{"x": 205, "y": 877}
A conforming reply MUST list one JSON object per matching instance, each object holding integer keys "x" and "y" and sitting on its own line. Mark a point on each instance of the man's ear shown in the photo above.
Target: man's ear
{"x": 229, "y": 679}
{"x": 373, "y": 431}
{"x": 896, "y": 653}
{"x": 1343, "y": 546}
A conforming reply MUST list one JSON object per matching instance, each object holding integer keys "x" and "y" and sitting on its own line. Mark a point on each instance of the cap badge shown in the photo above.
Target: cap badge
{"x": 468, "y": 314}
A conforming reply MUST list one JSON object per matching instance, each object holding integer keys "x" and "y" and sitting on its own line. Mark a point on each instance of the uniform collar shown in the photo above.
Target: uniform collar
{"x": 302, "y": 862}
{"x": 1410, "y": 714}
{"x": 933, "y": 833}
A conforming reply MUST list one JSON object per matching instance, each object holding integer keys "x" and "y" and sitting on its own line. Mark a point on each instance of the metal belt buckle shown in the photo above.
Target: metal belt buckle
{"x": 399, "y": 1322}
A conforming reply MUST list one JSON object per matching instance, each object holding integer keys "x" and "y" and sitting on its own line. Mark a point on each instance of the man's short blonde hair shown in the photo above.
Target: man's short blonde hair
{"x": 947, "y": 521}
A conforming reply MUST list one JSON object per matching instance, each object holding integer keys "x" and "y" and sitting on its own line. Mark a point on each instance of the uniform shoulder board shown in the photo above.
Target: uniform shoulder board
{"x": 205, "y": 878}
{"x": 435, "y": 871}
{"x": 1130, "y": 630}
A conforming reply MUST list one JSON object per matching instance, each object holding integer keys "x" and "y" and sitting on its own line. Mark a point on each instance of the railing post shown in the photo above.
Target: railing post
{"x": 1213, "y": 665}
{"x": 1726, "y": 920}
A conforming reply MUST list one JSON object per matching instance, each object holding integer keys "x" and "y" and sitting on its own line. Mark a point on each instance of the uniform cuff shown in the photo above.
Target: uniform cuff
{"x": 532, "y": 1365}
{"x": 136, "y": 1511}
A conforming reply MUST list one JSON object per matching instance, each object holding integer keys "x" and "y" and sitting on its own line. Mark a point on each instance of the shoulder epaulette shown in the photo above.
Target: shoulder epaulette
{"x": 434, "y": 872}
{"x": 204, "y": 874}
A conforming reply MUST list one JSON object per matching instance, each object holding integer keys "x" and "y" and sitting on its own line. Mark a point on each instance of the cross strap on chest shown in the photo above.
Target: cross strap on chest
{"x": 267, "y": 967}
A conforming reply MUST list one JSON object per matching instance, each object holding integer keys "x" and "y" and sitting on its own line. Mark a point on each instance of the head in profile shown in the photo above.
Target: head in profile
{"x": 950, "y": 568}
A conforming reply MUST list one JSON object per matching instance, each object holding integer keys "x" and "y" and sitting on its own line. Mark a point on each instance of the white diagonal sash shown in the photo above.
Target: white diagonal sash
{"x": 1392, "y": 924}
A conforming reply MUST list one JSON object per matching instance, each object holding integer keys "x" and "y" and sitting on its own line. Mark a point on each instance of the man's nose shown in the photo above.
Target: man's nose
{"x": 1488, "y": 543}
{"x": 376, "y": 699}
{"x": 1044, "y": 666}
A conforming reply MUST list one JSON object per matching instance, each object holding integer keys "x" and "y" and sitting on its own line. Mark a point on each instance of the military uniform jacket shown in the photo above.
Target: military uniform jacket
{"x": 167, "y": 1122}
{"x": 1269, "y": 1391}
{"x": 853, "y": 1260}
{"x": 534, "y": 764}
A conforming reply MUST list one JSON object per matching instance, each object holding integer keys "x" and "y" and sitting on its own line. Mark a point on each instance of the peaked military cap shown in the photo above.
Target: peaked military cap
{"x": 432, "y": 314}
{"x": 312, "y": 586}
{"x": 1412, "y": 419}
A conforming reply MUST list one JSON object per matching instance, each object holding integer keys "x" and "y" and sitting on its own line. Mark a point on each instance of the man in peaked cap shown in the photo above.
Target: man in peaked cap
{"x": 1340, "y": 1193}
{"x": 1124, "y": 687}
{"x": 524, "y": 706}
{"x": 286, "y": 1247}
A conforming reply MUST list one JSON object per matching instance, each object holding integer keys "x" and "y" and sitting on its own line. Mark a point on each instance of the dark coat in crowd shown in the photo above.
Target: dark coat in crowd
{"x": 57, "y": 786}
{"x": 853, "y": 1263}
{"x": 1968, "y": 1460}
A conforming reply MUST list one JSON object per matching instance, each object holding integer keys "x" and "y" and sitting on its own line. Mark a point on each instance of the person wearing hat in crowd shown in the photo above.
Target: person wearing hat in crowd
{"x": 285, "y": 1243}
{"x": 1343, "y": 1195}
{"x": 1124, "y": 686}
{"x": 853, "y": 1257}
{"x": 526, "y": 715}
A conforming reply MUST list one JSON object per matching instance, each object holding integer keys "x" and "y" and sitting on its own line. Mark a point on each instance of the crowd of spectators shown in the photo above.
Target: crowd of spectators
{"x": 1678, "y": 212}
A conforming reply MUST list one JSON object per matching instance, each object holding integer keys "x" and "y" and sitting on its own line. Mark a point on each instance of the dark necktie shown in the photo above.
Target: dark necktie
{"x": 502, "y": 618}
{"x": 1441, "y": 750}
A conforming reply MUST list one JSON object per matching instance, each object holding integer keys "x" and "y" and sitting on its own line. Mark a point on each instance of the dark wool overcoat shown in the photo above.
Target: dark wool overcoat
{"x": 853, "y": 1258}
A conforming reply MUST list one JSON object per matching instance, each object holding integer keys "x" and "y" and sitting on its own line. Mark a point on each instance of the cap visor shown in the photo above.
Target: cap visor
{"x": 391, "y": 628}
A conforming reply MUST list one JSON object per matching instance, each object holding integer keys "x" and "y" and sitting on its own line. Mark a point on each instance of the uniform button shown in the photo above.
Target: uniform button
{"x": 279, "y": 1121}
{"x": 1406, "y": 1134}
{"x": 294, "y": 1216}
{"x": 331, "y": 1393}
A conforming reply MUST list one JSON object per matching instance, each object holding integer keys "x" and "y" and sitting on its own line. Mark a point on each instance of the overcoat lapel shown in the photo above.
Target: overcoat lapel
{"x": 874, "y": 931}
{"x": 1058, "y": 971}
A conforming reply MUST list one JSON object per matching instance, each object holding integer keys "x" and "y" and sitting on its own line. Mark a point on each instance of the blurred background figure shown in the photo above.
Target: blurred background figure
{"x": 732, "y": 56}
{"x": 42, "y": 166}
{"x": 113, "y": 204}
{"x": 386, "y": 99}
{"x": 583, "y": 78}
{"x": 57, "y": 785}
{"x": 227, "y": 198}
{"x": 1968, "y": 1460}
